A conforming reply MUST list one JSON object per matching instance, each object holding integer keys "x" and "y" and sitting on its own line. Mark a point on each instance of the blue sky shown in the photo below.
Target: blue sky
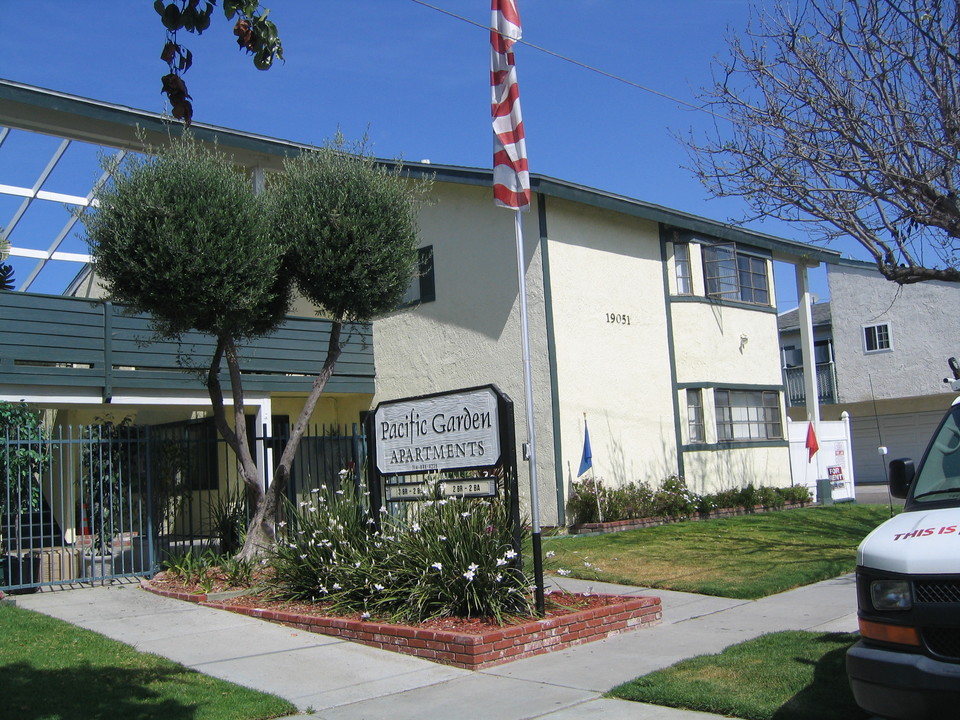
{"x": 414, "y": 80}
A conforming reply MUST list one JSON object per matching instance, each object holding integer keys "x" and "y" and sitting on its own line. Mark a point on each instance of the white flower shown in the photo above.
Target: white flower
{"x": 437, "y": 566}
{"x": 311, "y": 509}
{"x": 563, "y": 572}
{"x": 281, "y": 524}
{"x": 465, "y": 513}
{"x": 586, "y": 564}
{"x": 304, "y": 503}
{"x": 339, "y": 492}
{"x": 498, "y": 577}
{"x": 415, "y": 527}
{"x": 315, "y": 490}
{"x": 471, "y": 572}
{"x": 336, "y": 586}
{"x": 442, "y": 537}
{"x": 510, "y": 554}
{"x": 378, "y": 586}
{"x": 303, "y": 557}
{"x": 550, "y": 553}
{"x": 501, "y": 562}
{"x": 364, "y": 616}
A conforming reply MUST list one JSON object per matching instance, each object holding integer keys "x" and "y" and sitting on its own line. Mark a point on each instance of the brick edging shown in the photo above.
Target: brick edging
{"x": 470, "y": 651}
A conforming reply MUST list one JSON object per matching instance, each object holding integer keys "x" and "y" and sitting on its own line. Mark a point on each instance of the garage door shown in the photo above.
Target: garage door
{"x": 904, "y": 436}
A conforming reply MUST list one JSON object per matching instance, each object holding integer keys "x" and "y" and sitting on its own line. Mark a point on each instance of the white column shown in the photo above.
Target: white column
{"x": 806, "y": 343}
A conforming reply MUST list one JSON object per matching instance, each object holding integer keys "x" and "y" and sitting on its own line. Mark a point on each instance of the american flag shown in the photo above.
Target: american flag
{"x": 511, "y": 178}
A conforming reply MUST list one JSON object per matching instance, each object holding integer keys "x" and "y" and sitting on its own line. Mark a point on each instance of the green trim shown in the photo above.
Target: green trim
{"x": 552, "y": 359}
{"x": 723, "y": 303}
{"x": 741, "y": 445}
{"x": 713, "y": 385}
{"x": 672, "y": 352}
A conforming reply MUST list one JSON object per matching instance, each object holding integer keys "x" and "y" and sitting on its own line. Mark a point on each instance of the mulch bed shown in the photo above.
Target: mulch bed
{"x": 472, "y": 643}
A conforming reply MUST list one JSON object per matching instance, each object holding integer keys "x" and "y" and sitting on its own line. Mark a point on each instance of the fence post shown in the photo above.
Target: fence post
{"x": 151, "y": 540}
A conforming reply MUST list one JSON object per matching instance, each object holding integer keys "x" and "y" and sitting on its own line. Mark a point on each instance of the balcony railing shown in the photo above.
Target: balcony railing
{"x": 826, "y": 384}
{"x": 51, "y": 340}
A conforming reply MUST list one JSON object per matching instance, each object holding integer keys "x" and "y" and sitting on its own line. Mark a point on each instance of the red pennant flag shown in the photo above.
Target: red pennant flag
{"x": 511, "y": 178}
{"x": 812, "y": 444}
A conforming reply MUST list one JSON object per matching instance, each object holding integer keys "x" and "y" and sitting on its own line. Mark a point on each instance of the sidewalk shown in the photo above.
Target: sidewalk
{"x": 338, "y": 680}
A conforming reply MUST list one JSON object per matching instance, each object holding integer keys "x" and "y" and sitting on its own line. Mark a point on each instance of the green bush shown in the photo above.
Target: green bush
{"x": 453, "y": 557}
{"x": 582, "y": 504}
{"x": 671, "y": 500}
{"x": 674, "y": 499}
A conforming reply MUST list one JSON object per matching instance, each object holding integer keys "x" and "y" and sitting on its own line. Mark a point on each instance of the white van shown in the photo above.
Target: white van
{"x": 906, "y": 665}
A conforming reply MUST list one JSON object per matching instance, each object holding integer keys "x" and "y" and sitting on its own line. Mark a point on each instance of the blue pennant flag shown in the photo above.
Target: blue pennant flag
{"x": 586, "y": 460}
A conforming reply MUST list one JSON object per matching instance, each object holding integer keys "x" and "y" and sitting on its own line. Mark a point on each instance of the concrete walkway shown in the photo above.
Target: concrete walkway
{"x": 334, "y": 679}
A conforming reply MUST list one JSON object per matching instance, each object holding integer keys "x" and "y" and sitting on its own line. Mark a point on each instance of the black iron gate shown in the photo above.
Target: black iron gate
{"x": 105, "y": 502}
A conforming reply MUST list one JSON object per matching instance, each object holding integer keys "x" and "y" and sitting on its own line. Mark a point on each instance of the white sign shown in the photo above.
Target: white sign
{"x": 440, "y": 432}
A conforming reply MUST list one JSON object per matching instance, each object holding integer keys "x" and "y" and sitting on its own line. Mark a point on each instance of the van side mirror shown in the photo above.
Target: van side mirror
{"x": 902, "y": 473}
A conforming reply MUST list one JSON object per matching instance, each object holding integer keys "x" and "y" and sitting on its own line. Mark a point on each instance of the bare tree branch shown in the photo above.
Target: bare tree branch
{"x": 846, "y": 117}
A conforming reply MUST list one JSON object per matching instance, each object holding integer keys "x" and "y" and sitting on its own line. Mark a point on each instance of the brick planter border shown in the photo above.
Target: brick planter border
{"x": 470, "y": 651}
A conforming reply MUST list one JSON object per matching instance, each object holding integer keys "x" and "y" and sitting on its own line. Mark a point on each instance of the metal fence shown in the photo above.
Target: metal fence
{"x": 99, "y": 503}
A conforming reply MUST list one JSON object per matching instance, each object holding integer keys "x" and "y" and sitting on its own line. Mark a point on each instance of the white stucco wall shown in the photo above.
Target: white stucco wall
{"x": 471, "y": 334}
{"x": 612, "y": 356}
{"x": 925, "y": 331}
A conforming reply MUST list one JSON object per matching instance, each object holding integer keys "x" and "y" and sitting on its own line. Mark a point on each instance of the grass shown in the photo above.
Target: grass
{"x": 747, "y": 557}
{"x": 52, "y": 670}
{"x": 781, "y": 676}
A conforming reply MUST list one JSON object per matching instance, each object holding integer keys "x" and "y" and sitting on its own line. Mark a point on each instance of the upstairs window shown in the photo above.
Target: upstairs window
{"x": 422, "y": 287}
{"x": 734, "y": 275}
{"x": 877, "y": 338}
{"x": 681, "y": 260}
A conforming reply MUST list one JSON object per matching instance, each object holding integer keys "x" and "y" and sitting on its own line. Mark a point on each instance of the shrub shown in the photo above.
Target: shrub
{"x": 454, "y": 557}
{"x": 674, "y": 499}
{"x": 770, "y": 498}
{"x": 748, "y": 498}
{"x": 582, "y": 504}
{"x": 796, "y": 494}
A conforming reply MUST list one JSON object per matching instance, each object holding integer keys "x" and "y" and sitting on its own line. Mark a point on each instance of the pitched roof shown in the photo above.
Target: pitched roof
{"x": 790, "y": 320}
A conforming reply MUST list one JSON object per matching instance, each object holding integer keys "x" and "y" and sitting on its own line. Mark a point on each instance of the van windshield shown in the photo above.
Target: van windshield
{"x": 939, "y": 476}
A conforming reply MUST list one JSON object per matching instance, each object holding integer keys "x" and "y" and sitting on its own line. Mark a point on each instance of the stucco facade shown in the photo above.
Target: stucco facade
{"x": 894, "y": 392}
{"x": 614, "y": 341}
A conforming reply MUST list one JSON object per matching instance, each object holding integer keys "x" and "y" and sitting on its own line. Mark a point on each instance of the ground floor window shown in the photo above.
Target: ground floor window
{"x": 748, "y": 415}
{"x": 695, "y": 416}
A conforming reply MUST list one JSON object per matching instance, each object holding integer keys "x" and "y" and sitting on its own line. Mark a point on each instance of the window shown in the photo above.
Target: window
{"x": 876, "y": 338}
{"x": 695, "y": 416}
{"x": 734, "y": 275}
{"x": 748, "y": 415}
{"x": 422, "y": 288}
{"x": 681, "y": 259}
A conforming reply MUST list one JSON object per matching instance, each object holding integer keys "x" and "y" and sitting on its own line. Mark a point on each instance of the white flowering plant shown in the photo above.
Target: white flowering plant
{"x": 449, "y": 558}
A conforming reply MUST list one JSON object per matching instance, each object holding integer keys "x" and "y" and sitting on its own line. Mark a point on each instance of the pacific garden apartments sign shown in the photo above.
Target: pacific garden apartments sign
{"x": 444, "y": 432}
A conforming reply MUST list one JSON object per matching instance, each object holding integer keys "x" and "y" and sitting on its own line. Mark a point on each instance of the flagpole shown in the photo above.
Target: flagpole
{"x": 531, "y": 436}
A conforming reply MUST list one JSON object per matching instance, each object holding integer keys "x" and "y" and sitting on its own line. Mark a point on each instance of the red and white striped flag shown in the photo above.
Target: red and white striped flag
{"x": 511, "y": 178}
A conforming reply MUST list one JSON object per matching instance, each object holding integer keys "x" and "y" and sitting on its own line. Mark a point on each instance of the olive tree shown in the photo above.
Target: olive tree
{"x": 845, "y": 116}
{"x": 181, "y": 235}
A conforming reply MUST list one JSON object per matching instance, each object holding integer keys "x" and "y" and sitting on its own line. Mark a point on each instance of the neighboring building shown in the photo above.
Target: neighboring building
{"x": 658, "y": 327}
{"x": 889, "y": 348}
{"x": 791, "y": 356}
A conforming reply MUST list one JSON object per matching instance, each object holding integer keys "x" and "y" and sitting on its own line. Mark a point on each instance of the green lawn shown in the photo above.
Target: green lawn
{"x": 748, "y": 557}
{"x": 782, "y": 676}
{"x": 52, "y": 670}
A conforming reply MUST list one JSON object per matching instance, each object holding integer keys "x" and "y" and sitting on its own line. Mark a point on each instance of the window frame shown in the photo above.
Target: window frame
{"x": 734, "y": 275}
{"x": 736, "y": 410}
{"x": 883, "y": 344}
{"x": 696, "y": 428}
{"x": 683, "y": 269}
{"x": 422, "y": 288}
